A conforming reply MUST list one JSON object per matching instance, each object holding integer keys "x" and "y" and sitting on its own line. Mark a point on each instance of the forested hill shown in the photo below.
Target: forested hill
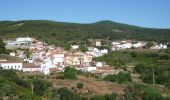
{"x": 55, "y": 32}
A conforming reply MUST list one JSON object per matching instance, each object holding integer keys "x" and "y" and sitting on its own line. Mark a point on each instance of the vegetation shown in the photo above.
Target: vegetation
{"x": 66, "y": 94}
{"x": 80, "y": 85}
{"x": 70, "y": 73}
{"x": 83, "y": 48}
{"x": 2, "y": 47}
{"x": 119, "y": 78}
{"x": 40, "y": 87}
{"x": 142, "y": 92}
{"x": 144, "y": 63}
{"x": 16, "y": 87}
{"x": 161, "y": 74}
{"x": 105, "y": 97}
{"x": 122, "y": 58}
{"x": 149, "y": 44}
{"x": 12, "y": 86}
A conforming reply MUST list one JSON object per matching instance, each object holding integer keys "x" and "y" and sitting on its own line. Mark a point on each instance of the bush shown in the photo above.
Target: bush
{"x": 80, "y": 85}
{"x": 40, "y": 86}
{"x": 66, "y": 94}
{"x": 70, "y": 73}
{"x": 119, "y": 78}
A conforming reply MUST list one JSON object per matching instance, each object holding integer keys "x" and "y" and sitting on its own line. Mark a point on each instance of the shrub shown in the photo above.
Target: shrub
{"x": 80, "y": 85}
{"x": 70, "y": 73}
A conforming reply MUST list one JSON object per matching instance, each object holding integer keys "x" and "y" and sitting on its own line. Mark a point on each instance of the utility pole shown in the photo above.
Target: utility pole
{"x": 32, "y": 88}
{"x": 153, "y": 76}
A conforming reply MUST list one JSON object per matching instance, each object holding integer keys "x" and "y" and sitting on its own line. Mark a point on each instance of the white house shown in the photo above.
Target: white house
{"x": 98, "y": 43}
{"x": 162, "y": 46}
{"x": 115, "y": 43}
{"x": 12, "y": 54}
{"x": 136, "y": 45}
{"x": 48, "y": 64}
{"x": 104, "y": 51}
{"x": 58, "y": 58}
{"x": 90, "y": 68}
{"x": 45, "y": 67}
{"x": 11, "y": 65}
{"x": 113, "y": 48}
{"x": 31, "y": 68}
{"x": 99, "y": 64}
{"x": 86, "y": 58}
{"x": 24, "y": 40}
{"x": 74, "y": 47}
{"x": 126, "y": 45}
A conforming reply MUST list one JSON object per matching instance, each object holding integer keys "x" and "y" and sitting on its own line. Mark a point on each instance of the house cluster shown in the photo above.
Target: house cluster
{"x": 21, "y": 41}
{"x": 43, "y": 58}
{"x": 159, "y": 46}
{"x": 95, "y": 52}
{"x": 48, "y": 58}
{"x": 118, "y": 45}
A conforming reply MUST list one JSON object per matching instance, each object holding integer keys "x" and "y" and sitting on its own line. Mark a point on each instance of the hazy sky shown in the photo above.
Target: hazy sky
{"x": 146, "y": 13}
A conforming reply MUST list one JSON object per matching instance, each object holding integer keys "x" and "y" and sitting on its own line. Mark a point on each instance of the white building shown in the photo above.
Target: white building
{"x": 104, "y": 51}
{"x": 98, "y": 43}
{"x": 90, "y": 69}
{"x": 99, "y": 64}
{"x": 126, "y": 45}
{"x": 24, "y": 40}
{"x": 48, "y": 64}
{"x": 11, "y": 65}
{"x": 31, "y": 68}
{"x": 58, "y": 58}
{"x": 161, "y": 46}
{"x": 74, "y": 47}
{"x": 137, "y": 45}
{"x": 115, "y": 43}
{"x": 12, "y": 54}
{"x": 113, "y": 48}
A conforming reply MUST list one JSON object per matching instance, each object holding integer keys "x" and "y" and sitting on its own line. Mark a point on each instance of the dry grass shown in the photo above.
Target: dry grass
{"x": 97, "y": 87}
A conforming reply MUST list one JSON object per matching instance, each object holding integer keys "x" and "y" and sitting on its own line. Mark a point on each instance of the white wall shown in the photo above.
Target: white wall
{"x": 89, "y": 69}
{"x": 17, "y": 66}
{"x": 31, "y": 69}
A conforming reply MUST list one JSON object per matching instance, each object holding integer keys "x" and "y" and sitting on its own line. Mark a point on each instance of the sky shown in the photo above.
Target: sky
{"x": 144, "y": 13}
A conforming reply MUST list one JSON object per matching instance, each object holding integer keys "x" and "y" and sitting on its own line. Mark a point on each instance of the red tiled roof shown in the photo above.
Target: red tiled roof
{"x": 28, "y": 65}
{"x": 11, "y": 62}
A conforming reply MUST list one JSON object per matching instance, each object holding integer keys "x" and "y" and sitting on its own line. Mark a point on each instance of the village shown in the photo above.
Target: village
{"x": 39, "y": 57}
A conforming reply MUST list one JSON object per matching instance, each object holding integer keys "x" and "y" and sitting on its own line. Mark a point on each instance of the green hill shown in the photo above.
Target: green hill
{"x": 62, "y": 32}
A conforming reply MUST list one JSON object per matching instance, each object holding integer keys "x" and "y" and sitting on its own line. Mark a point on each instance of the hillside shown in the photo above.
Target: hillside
{"x": 60, "y": 32}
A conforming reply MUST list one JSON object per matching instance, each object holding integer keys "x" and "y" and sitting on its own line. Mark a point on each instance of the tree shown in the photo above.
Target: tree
{"x": 39, "y": 86}
{"x": 119, "y": 78}
{"x": 2, "y": 47}
{"x": 70, "y": 73}
{"x": 66, "y": 94}
{"x": 83, "y": 48}
{"x": 6, "y": 90}
{"x": 99, "y": 97}
{"x": 140, "y": 68}
{"x": 149, "y": 44}
{"x": 80, "y": 85}
{"x": 111, "y": 96}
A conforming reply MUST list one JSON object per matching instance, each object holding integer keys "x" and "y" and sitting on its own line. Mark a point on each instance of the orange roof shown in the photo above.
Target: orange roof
{"x": 11, "y": 62}
{"x": 28, "y": 65}
{"x": 54, "y": 69}
{"x": 105, "y": 68}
